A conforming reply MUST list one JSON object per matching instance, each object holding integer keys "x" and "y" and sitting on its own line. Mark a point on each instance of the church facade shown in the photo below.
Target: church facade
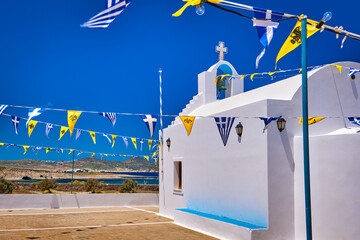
{"x": 253, "y": 187}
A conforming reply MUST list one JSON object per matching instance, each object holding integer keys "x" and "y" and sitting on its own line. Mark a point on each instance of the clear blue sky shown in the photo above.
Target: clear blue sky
{"x": 47, "y": 59}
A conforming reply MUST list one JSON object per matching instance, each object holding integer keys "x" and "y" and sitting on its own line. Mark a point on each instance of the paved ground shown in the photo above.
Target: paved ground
{"x": 92, "y": 223}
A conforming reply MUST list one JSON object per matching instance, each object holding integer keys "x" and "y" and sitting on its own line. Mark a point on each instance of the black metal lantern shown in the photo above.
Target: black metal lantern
{"x": 239, "y": 129}
{"x": 281, "y": 122}
{"x": 168, "y": 142}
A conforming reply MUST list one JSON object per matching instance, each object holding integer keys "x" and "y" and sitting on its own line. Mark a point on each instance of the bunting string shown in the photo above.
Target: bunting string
{"x": 48, "y": 149}
{"x": 252, "y": 76}
{"x": 82, "y": 130}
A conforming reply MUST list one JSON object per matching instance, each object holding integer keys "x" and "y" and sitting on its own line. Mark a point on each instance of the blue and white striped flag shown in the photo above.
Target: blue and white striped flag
{"x": 110, "y": 116}
{"x": 155, "y": 145}
{"x": 107, "y": 137}
{"x": 355, "y": 120}
{"x": 224, "y": 125}
{"x": 141, "y": 144}
{"x": 353, "y": 71}
{"x": 267, "y": 121}
{"x": 34, "y": 112}
{"x": 37, "y": 150}
{"x": 265, "y": 28}
{"x": 125, "y": 141}
{"x": 150, "y": 121}
{"x": 15, "y": 121}
{"x": 78, "y": 132}
{"x": 48, "y": 128}
{"x": 104, "y": 18}
{"x": 2, "y": 108}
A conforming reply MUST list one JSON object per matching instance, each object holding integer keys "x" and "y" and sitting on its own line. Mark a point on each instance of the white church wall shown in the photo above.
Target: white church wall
{"x": 220, "y": 180}
{"x": 335, "y": 174}
{"x": 259, "y": 179}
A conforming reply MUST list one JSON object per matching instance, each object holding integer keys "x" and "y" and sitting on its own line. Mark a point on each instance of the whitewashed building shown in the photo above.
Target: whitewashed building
{"x": 253, "y": 188}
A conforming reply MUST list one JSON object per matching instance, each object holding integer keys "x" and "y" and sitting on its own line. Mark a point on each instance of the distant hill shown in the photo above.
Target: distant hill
{"x": 93, "y": 164}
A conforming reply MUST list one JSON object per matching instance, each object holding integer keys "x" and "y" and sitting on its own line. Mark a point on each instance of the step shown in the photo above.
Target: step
{"x": 220, "y": 227}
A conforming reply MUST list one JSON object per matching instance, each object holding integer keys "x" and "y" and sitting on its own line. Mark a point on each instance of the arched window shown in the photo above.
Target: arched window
{"x": 222, "y": 81}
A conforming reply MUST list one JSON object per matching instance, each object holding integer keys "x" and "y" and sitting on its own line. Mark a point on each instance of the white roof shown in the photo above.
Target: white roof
{"x": 282, "y": 90}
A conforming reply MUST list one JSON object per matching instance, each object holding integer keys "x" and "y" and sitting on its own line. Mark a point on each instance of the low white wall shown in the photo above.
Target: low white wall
{"x": 47, "y": 201}
{"x": 335, "y": 176}
{"x": 214, "y": 228}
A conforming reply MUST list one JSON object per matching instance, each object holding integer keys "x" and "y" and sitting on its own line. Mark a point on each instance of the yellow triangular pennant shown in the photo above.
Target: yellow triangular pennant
{"x": 338, "y": 67}
{"x": 312, "y": 120}
{"x": 252, "y": 75}
{"x": 113, "y": 138}
{"x": 294, "y": 39}
{"x": 26, "y": 148}
{"x": 92, "y": 134}
{"x": 106, "y": 154}
{"x": 73, "y": 116}
{"x": 192, "y": 3}
{"x": 147, "y": 158}
{"x": 63, "y": 130}
{"x": 31, "y": 126}
{"x": 188, "y": 123}
{"x": 150, "y": 142}
{"x": 48, "y": 149}
{"x": 1, "y": 144}
{"x": 272, "y": 73}
{"x": 71, "y": 150}
{"x": 92, "y": 154}
{"x": 155, "y": 153}
{"x": 134, "y": 142}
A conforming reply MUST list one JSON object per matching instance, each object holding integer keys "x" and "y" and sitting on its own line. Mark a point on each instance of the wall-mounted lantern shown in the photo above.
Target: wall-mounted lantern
{"x": 281, "y": 122}
{"x": 239, "y": 129}
{"x": 168, "y": 143}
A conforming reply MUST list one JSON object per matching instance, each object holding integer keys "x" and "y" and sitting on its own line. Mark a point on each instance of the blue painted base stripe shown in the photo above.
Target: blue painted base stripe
{"x": 222, "y": 219}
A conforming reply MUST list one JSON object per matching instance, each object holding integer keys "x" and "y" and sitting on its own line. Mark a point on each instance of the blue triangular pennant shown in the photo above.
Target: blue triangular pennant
{"x": 224, "y": 125}
{"x": 267, "y": 121}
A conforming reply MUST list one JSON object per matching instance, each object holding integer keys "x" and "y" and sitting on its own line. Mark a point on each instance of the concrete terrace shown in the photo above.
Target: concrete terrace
{"x": 128, "y": 222}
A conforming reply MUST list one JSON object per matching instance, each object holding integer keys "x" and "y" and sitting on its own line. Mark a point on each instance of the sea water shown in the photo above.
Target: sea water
{"x": 146, "y": 178}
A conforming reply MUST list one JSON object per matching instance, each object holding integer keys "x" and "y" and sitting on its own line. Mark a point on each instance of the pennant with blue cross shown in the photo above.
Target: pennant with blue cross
{"x": 224, "y": 125}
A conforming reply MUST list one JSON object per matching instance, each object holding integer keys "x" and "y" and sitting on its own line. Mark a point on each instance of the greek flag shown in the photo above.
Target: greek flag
{"x": 78, "y": 132}
{"x": 37, "y": 150}
{"x": 155, "y": 145}
{"x": 107, "y": 137}
{"x": 125, "y": 141}
{"x": 48, "y": 128}
{"x": 352, "y": 71}
{"x": 141, "y": 144}
{"x": 265, "y": 28}
{"x": 267, "y": 121}
{"x": 2, "y": 108}
{"x": 110, "y": 116}
{"x": 104, "y": 18}
{"x": 150, "y": 121}
{"x": 355, "y": 120}
{"x": 15, "y": 121}
{"x": 224, "y": 125}
{"x": 34, "y": 112}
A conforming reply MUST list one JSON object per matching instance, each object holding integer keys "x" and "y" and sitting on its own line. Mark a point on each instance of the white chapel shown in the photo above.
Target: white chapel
{"x": 253, "y": 188}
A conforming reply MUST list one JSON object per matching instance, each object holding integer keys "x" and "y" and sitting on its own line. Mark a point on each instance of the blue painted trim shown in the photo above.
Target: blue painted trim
{"x": 222, "y": 219}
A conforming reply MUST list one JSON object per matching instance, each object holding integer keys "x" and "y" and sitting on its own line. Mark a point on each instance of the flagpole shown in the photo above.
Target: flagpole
{"x": 161, "y": 137}
{"x": 305, "y": 114}
{"x": 72, "y": 172}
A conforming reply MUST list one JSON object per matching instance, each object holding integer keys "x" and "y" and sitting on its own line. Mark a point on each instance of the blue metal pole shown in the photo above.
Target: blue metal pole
{"x": 306, "y": 129}
{"x": 72, "y": 172}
